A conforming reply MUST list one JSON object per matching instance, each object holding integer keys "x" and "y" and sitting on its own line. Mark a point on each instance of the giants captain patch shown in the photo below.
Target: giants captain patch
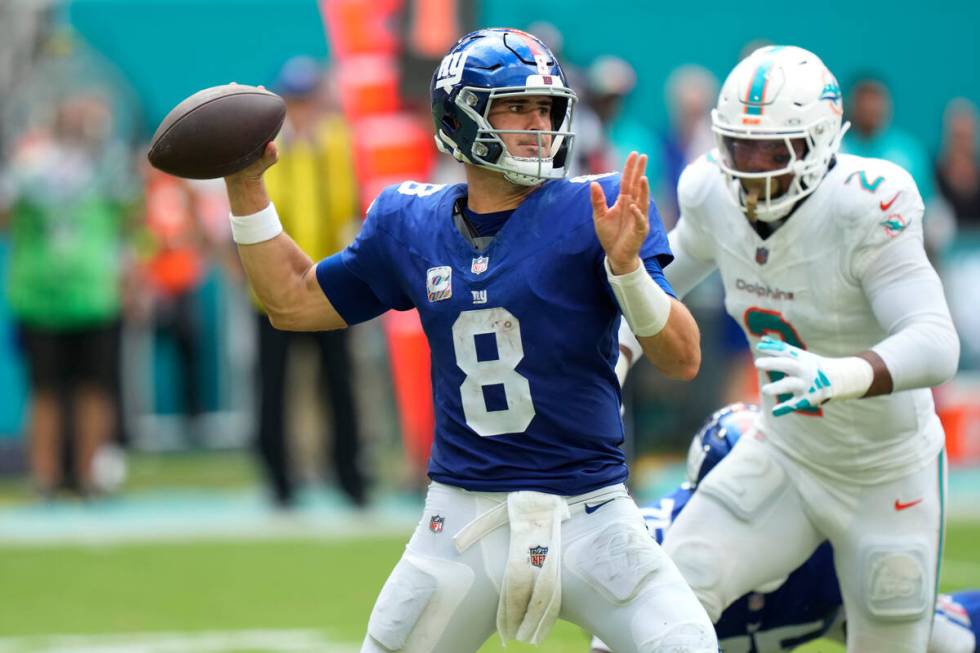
{"x": 439, "y": 283}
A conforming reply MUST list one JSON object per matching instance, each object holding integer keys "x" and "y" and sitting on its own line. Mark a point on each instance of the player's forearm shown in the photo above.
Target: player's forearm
{"x": 881, "y": 380}
{"x": 906, "y": 297}
{"x": 921, "y": 355}
{"x": 284, "y": 279}
{"x": 664, "y": 327}
{"x": 246, "y": 195}
{"x": 676, "y": 350}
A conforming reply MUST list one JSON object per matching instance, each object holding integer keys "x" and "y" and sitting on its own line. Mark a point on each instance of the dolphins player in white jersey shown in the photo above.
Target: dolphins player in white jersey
{"x": 807, "y": 605}
{"x": 822, "y": 262}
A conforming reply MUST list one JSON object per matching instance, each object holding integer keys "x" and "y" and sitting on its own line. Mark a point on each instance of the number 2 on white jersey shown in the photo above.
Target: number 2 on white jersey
{"x": 505, "y": 330}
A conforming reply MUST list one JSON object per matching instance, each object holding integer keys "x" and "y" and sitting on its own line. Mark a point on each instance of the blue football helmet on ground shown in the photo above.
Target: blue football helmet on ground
{"x": 717, "y": 437}
{"x": 486, "y": 65}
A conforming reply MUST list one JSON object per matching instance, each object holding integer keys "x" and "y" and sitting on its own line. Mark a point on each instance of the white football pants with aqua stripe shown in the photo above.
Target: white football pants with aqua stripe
{"x": 759, "y": 515}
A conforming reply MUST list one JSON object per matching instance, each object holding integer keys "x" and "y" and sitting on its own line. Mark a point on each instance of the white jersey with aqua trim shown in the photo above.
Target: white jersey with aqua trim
{"x": 807, "y": 284}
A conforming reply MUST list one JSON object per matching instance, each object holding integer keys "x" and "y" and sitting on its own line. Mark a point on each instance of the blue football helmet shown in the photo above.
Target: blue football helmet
{"x": 486, "y": 65}
{"x": 717, "y": 437}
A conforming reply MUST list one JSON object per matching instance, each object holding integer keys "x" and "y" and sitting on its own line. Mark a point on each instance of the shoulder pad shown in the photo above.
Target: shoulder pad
{"x": 697, "y": 179}
{"x": 871, "y": 191}
{"x": 406, "y": 195}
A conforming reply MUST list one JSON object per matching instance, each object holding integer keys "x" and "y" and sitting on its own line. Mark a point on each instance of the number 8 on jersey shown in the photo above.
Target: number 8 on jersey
{"x": 476, "y": 334}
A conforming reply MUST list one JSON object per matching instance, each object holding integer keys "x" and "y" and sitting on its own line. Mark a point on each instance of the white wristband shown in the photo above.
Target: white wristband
{"x": 644, "y": 304}
{"x": 256, "y": 228}
{"x": 849, "y": 377}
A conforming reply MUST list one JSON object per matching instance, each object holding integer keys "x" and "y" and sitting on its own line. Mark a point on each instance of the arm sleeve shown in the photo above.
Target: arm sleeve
{"x": 688, "y": 269}
{"x": 359, "y": 281}
{"x": 692, "y": 247}
{"x": 906, "y": 296}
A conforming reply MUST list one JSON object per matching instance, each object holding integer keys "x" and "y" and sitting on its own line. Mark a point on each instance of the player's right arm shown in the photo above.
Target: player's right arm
{"x": 281, "y": 274}
{"x": 690, "y": 243}
{"x": 889, "y": 262}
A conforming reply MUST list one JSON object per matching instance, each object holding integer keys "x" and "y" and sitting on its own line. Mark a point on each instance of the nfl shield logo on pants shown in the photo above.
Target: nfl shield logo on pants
{"x": 537, "y": 554}
{"x": 480, "y": 264}
{"x": 436, "y": 523}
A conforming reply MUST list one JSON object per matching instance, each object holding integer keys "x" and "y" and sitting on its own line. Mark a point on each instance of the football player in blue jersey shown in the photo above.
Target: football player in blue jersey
{"x": 806, "y": 605}
{"x": 520, "y": 278}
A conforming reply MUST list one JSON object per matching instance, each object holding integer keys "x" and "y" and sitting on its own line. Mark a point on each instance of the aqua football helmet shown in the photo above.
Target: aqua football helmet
{"x": 778, "y": 93}
{"x": 482, "y": 67}
{"x": 717, "y": 437}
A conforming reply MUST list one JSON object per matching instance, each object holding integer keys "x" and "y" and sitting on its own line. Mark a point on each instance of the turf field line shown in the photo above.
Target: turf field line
{"x": 266, "y": 641}
{"x": 194, "y": 521}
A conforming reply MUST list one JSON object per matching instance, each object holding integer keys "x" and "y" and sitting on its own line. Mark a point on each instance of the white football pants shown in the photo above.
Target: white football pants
{"x": 616, "y": 582}
{"x": 759, "y": 515}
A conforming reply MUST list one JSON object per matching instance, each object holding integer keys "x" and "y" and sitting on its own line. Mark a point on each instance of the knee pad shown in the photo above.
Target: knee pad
{"x": 683, "y": 638}
{"x": 748, "y": 486}
{"x": 617, "y": 561}
{"x": 419, "y": 589}
{"x": 897, "y": 584}
{"x": 702, "y": 564}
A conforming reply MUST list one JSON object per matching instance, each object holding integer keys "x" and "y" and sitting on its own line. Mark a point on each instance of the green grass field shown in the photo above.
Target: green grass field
{"x": 289, "y": 585}
{"x": 253, "y": 594}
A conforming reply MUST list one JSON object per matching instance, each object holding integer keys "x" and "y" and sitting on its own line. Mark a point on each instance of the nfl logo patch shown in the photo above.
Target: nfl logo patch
{"x": 536, "y": 555}
{"x": 436, "y": 522}
{"x": 761, "y": 255}
{"x": 480, "y": 264}
{"x": 439, "y": 283}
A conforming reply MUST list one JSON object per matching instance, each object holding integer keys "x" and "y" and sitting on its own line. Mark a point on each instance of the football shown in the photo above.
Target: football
{"x": 217, "y": 131}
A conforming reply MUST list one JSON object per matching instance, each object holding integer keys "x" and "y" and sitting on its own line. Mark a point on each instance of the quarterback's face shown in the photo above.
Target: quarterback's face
{"x": 526, "y": 113}
{"x": 759, "y": 156}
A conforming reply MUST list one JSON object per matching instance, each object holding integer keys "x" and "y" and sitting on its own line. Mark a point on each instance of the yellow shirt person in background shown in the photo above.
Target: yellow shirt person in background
{"x": 315, "y": 192}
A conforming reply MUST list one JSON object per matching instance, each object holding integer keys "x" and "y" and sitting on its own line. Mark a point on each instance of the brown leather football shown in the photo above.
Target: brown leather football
{"x": 217, "y": 131}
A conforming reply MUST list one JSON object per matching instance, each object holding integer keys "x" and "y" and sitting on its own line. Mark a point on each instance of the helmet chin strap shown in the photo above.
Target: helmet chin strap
{"x": 756, "y": 191}
{"x": 751, "y": 204}
{"x": 515, "y": 176}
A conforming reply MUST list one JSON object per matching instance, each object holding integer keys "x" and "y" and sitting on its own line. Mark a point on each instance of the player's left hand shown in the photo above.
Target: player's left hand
{"x": 804, "y": 378}
{"x": 624, "y": 226}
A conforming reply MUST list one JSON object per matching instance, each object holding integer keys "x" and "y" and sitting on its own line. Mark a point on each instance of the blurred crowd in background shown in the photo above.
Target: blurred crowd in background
{"x": 125, "y": 323}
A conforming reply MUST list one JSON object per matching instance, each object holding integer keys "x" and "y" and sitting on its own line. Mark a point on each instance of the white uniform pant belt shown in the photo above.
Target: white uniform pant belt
{"x": 497, "y": 516}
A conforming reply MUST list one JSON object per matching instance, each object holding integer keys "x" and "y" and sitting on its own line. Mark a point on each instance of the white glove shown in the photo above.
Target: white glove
{"x": 810, "y": 379}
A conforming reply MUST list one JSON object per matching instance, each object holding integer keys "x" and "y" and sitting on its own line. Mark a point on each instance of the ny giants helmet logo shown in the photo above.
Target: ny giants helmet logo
{"x": 451, "y": 70}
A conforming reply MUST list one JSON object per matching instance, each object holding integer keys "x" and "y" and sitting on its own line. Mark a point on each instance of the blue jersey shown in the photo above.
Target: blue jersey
{"x": 801, "y": 609}
{"x": 522, "y": 333}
